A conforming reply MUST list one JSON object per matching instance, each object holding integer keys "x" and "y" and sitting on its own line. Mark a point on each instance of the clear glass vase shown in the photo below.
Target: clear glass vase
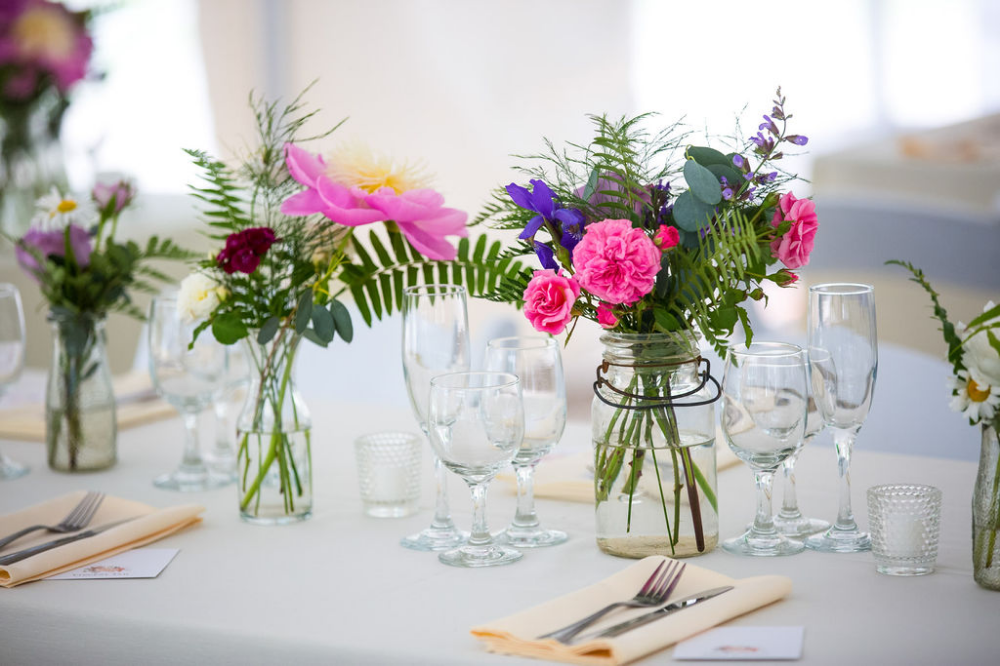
{"x": 274, "y": 455}
{"x": 986, "y": 513}
{"x": 81, "y": 429}
{"x": 653, "y": 428}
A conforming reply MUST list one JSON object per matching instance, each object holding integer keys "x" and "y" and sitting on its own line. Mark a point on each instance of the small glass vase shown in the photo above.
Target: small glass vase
{"x": 653, "y": 428}
{"x": 274, "y": 454}
{"x": 986, "y": 513}
{"x": 81, "y": 429}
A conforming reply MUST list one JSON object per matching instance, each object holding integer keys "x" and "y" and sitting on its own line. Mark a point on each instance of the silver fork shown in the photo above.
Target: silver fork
{"x": 654, "y": 592}
{"x": 77, "y": 519}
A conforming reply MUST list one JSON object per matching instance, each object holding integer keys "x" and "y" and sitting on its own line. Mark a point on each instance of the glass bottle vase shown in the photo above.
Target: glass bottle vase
{"x": 653, "y": 428}
{"x": 986, "y": 513}
{"x": 81, "y": 430}
{"x": 274, "y": 456}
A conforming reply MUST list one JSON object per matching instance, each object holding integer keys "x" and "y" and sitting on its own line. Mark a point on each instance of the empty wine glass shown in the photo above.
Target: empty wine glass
{"x": 188, "y": 379}
{"x": 537, "y": 363}
{"x": 476, "y": 424}
{"x": 789, "y": 520}
{"x": 435, "y": 341}
{"x": 221, "y": 457}
{"x": 843, "y": 349}
{"x": 12, "y": 343}
{"x": 765, "y": 393}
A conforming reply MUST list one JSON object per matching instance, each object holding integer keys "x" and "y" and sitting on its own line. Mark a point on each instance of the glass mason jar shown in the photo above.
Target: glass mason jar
{"x": 81, "y": 430}
{"x": 986, "y": 513}
{"x": 653, "y": 427}
{"x": 274, "y": 454}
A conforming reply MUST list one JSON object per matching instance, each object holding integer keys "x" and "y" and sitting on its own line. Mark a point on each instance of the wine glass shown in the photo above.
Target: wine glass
{"x": 537, "y": 363}
{"x": 12, "y": 343}
{"x": 435, "y": 341}
{"x": 765, "y": 393}
{"x": 189, "y": 379}
{"x": 221, "y": 457}
{"x": 476, "y": 422}
{"x": 843, "y": 349}
{"x": 789, "y": 520}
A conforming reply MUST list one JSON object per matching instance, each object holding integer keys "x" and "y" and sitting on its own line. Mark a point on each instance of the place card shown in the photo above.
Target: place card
{"x": 138, "y": 563}
{"x": 743, "y": 644}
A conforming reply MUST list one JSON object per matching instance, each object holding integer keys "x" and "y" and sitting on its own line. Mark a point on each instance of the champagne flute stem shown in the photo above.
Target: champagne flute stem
{"x": 222, "y": 423}
{"x": 789, "y": 499}
{"x": 525, "y": 516}
{"x": 192, "y": 455}
{"x": 442, "y": 511}
{"x": 763, "y": 523}
{"x": 844, "y": 441}
{"x": 480, "y": 530}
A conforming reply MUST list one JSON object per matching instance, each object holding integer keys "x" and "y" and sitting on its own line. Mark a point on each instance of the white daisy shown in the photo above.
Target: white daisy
{"x": 973, "y": 397}
{"x": 978, "y": 354}
{"x": 55, "y": 211}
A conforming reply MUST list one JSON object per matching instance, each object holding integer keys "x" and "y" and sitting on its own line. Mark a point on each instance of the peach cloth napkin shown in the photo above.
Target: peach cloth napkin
{"x": 150, "y": 524}
{"x": 137, "y": 405}
{"x": 516, "y": 634}
{"x": 571, "y": 477}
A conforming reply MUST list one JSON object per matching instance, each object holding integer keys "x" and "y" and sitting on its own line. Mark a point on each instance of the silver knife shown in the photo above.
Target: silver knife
{"x": 49, "y": 545}
{"x": 669, "y": 609}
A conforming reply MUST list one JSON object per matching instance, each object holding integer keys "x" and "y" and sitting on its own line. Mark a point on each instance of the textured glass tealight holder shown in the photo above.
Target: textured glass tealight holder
{"x": 389, "y": 473}
{"x": 905, "y": 522}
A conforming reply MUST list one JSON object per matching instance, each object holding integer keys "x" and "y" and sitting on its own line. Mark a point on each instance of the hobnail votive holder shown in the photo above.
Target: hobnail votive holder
{"x": 389, "y": 466}
{"x": 905, "y": 522}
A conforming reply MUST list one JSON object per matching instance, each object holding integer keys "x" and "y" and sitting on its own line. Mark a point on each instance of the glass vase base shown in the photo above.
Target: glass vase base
{"x": 908, "y": 569}
{"x": 435, "y": 538}
{"x": 801, "y": 526}
{"x": 755, "y": 546}
{"x": 490, "y": 555}
{"x": 530, "y": 539}
{"x": 184, "y": 482}
{"x": 10, "y": 469}
{"x": 636, "y": 548}
{"x": 840, "y": 541}
{"x": 283, "y": 519}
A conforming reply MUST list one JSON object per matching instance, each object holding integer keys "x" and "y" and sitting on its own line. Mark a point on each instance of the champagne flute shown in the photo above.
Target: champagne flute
{"x": 789, "y": 520}
{"x": 537, "y": 363}
{"x": 189, "y": 379}
{"x": 12, "y": 344}
{"x": 765, "y": 394}
{"x": 843, "y": 348}
{"x": 476, "y": 422}
{"x": 435, "y": 341}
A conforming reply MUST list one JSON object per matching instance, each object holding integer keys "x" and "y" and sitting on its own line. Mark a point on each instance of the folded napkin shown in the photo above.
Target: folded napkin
{"x": 516, "y": 634}
{"x": 149, "y": 525}
{"x": 571, "y": 477}
{"x": 137, "y": 405}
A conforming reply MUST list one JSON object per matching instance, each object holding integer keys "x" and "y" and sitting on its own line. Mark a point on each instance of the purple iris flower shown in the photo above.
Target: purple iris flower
{"x": 543, "y": 201}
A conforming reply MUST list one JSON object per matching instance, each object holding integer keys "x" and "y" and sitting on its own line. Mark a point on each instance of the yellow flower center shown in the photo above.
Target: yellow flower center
{"x": 44, "y": 31}
{"x": 977, "y": 394}
{"x": 66, "y": 206}
{"x": 355, "y": 165}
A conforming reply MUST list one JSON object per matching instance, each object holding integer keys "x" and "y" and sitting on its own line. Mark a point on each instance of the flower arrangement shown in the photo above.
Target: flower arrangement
{"x": 654, "y": 238}
{"x": 302, "y": 233}
{"x": 84, "y": 274}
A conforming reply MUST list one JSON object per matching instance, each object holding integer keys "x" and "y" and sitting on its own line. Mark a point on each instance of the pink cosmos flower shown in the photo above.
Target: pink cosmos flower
{"x": 794, "y": 247}
{"x": 666, "y": 237}
{"x": 53, "y": 244}
{"x": 47, "y": 37}
{"x": 606, "y": 316}
{"x": 615, "y": 262}
{"x": 549, "y": 299}
{"x": 120, "y": 194}
{"x": 419, "y": 214}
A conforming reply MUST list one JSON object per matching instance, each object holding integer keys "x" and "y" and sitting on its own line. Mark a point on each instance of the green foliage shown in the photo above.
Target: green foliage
{"x": 951, "y": 337}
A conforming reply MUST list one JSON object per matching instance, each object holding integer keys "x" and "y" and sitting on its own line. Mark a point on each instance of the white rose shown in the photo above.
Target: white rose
{"x": 981, "y": 356}
{"x": 198, "y": 297}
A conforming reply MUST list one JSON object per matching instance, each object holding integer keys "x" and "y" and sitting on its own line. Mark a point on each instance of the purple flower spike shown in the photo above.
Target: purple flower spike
{"x": 738, "y": 161}
{"x": 798, "y": 139}
{"x": 771, "y": 176}
{"x": 727, "y": 194}
{"x": 769, "y": 126}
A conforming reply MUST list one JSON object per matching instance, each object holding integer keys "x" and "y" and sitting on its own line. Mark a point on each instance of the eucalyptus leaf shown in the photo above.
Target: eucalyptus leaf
{"x": 705, "y": 156}
{"x": 342, "y": 320}
{"x": 690, "y": 213}
{"x": 303, "y": 311}
{"x": 268, "y": 330}
{"x": 733, "y": 177}
{"x": 312, "y": 336}
{"x": 323, "y": 324}
{"x": 702, "y": 183}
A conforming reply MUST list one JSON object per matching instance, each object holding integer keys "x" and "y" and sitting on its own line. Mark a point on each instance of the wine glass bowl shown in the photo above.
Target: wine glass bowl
{"x": 12, "y": 349}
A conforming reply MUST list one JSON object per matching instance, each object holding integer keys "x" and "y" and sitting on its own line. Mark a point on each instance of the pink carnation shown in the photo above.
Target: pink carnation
{"x": 548, "y": 301}
{"x": 606, "y": 316}
{"x": 666, "y": 237}
{"x": 615, "y": 262}
{"x": 794, "y": 247}
{"x": 44, "y": 38}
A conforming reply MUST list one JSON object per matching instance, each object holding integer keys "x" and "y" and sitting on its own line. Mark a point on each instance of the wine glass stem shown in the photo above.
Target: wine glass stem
{"x": 442, "y": 511}
{"x": 192, "y": 454}
{"x": 222, "y": 423}
{"x": 525, "y": 515}
{"x": 480, "y": 531}
{"x": 764, "y": 521}
{"x": 789, "y": 500}
{"x": 844, "y": 441}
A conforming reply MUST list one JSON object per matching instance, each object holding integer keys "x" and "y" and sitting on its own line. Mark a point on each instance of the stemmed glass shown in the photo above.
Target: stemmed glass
{"x": 12, "y": 343}
{"x": 843, "y": 353}
{"x": 790, "y": 520}
{"x": 189, "y": 379}
{"x": 435, "y": 341}
{"x": 221, "y": 457}
{"x": 476, "y": 422}
{"x": 765, "y": 393}
{"x": 537, "y": 364}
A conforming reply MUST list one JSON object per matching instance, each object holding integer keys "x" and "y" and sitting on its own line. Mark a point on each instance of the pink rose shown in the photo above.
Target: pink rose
{"x": 606, "y": 316}
{"x": 794, "y": 247}
{"x": 548, "y": 301}
{"x": 666, "y": 237}
{"x": 615, "y": 262}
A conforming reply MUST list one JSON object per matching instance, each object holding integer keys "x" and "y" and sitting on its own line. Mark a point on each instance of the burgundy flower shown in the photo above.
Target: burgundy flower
{"x": 245, "y": 249}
